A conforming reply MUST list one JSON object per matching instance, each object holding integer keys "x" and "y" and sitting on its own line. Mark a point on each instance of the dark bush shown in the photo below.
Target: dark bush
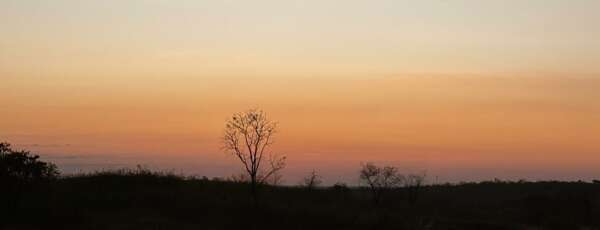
{"x": 22, "y": 166}
{"x": 24, "y": 185}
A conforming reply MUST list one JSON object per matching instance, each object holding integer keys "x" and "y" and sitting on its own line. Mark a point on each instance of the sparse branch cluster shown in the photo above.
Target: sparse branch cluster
{"x": 312, "y": 180}
{"x": 379, "y": 180}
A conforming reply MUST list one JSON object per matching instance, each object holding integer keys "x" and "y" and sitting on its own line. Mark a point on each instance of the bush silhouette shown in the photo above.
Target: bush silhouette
{"x": 23, "y": 181}
{"x": 22, "y": 166}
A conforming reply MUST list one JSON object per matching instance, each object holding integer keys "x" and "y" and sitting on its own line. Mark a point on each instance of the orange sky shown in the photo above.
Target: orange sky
{"x": 427, "y": 122}
{"x": 465, "y": 90}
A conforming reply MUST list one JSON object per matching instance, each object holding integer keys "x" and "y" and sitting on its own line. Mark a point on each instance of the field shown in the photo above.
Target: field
{"x": 140, "y": 199}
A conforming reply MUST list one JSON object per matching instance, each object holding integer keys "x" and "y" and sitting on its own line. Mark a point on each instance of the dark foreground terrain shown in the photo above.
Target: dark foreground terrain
{"x": 146, "y": 200}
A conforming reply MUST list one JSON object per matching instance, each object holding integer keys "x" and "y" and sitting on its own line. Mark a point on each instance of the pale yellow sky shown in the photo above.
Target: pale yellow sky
{"x": 464, "y": 89}
{"x": 116, "y": 39}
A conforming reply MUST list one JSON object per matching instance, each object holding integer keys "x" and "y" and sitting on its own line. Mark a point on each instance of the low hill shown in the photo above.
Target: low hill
{"x": 140, "y": 199}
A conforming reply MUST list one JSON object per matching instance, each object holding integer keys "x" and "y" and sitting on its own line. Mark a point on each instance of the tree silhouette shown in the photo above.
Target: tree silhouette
{"x": 379, "y": 179}
{"x": 312, "y": 180}
{"x": 248, "y": 135}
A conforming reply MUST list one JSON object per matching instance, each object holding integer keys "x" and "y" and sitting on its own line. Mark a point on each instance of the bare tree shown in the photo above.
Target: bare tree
{"x": 248, "y": 136}
{"x": 312, "y": 180}
{"x": 380, "y": 179}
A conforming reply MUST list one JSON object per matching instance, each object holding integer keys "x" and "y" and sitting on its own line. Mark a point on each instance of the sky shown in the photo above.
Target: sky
{"x": 463, "y": 90}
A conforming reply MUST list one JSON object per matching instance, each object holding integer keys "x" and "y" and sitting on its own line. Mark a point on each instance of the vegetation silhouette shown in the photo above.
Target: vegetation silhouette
{"x": 21, "y": 175}
{"x": 413, "y": 184}
{"x": 380, "y": 180}
{"x": 34, "y": 195}
{"x": 144, "y": 199}
{"x": 22, "y": 166}
{"x": 311, "y": 181}
{"x": 248, "y": 136}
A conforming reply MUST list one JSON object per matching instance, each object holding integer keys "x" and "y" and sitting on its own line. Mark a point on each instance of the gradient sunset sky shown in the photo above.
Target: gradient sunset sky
{"x": 462, "y": 89}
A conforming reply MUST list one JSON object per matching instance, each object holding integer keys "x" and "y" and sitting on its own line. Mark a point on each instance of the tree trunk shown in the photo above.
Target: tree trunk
{"x": 253, "y": 190}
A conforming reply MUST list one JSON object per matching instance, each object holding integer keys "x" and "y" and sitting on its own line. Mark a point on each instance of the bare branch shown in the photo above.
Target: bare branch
{"x": 379, "y": 179}
{"x": 248, "y": 136}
